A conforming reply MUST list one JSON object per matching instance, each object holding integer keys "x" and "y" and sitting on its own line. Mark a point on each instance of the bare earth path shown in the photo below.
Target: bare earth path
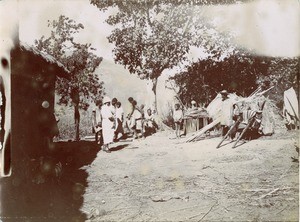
{"x": 158, "y": 179}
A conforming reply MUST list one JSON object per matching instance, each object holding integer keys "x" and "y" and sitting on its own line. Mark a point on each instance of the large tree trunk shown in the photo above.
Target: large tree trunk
{"x": 158, "y": 119}
{"x": 77, "y": 121}
{"x": 75, "y": 100}
{"x": 154, "y": 88}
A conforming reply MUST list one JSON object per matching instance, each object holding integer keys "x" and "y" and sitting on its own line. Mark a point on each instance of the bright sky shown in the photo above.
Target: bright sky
{"x": 269, "y": 27}
{"x": 36, "y": 13}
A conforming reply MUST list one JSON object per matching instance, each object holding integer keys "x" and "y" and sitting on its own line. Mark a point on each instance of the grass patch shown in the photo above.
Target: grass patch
{"x": 66, "y": 123}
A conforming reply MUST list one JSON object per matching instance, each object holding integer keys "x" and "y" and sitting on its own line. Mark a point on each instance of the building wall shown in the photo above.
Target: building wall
{"x": 33, "y": 85}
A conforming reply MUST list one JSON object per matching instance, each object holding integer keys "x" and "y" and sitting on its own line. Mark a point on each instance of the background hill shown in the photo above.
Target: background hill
{"x": 119, "y": 83}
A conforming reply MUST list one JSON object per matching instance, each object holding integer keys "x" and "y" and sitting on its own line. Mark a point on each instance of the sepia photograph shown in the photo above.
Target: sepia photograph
{"x": 149, "y": 110}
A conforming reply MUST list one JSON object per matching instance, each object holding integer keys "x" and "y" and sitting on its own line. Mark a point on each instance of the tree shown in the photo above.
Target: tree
{"x": 152, "y": 36}
{"x": 83, "y": 86}
{"x": 237, "y": 73}
{"x": 282, "y": 73}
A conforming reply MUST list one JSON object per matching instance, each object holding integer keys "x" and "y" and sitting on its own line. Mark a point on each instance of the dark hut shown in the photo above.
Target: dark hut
{"x": 33, "y": 75}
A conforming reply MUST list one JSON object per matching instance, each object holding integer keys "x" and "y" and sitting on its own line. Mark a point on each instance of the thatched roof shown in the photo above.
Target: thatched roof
{"x": 63, "y": 71}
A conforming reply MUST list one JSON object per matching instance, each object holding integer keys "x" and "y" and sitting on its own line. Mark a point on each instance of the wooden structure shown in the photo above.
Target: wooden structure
{"x": 191, "y": 125}
{"x": 194, "y": 120}
{"x": 33, "y": 76}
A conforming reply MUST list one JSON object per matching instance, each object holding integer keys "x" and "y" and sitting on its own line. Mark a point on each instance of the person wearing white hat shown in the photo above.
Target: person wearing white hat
{"x": 224, "y": 92}
{"x": 108, "y": 123}
{"x": 194, "y": 105}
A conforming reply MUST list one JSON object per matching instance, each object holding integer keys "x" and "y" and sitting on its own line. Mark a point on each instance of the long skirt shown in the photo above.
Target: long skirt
{"x": 107, "y": 131}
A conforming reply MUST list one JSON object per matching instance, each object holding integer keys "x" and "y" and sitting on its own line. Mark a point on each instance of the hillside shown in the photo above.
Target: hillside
{"x": 119, "y": 83}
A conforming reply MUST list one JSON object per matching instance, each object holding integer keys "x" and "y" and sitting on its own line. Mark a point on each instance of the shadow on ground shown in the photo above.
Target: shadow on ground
{"x": 119, "y": 147}
{"x": 35, "y": 192}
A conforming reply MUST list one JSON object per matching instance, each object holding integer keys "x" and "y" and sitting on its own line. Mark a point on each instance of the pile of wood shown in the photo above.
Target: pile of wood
{"x": 256, "y": 101}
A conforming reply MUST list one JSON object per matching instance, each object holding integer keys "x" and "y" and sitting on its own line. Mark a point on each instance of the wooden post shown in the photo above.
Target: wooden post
{"x": 229, "y": 131}
{"x": 243, "y": 132}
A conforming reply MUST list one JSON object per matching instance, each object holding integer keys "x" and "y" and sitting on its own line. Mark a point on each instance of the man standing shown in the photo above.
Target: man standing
{"x": 114, "y": 108}
{"x": 178, "y": 117}
{"x": 149, "y": 125}
{"x": 119, "y": 120}
{"x": 131, "y": 124}
{"x": 226, "y": 112}
{"x": 108, "y": 123}
{"x": 96, "y": 124}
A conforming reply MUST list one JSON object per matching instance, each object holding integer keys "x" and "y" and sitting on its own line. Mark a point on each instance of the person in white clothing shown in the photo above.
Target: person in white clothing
{"x": 149, "y": 125}
{"x": 178, "y": 117}
{"x": 108, "y": 123}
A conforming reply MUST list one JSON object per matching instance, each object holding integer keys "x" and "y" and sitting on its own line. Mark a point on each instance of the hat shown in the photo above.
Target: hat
{"x": 106, "y": 100}
{"x": 193, "y": 102}
{"x": 224, "y": 92}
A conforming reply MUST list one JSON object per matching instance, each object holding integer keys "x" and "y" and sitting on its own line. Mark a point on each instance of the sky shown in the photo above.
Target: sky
{"x": 267, "y": 27}
{"x": 35, "y": 14}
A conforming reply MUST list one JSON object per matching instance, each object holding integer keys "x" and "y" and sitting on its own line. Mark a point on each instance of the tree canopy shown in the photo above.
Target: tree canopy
{"x": 152, "y": 36}
{"x": 78, "y": 58}
{"x": 283, "y": 73}
{"x": 83, "y": 86}
{"x": 204, "y": 79}
{"x": 239, "y": 73}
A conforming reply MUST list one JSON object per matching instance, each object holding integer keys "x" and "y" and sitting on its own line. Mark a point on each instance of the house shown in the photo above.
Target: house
{"x": 33, "y": 75}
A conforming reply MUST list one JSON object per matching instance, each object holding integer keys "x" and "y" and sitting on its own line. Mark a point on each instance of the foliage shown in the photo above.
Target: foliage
{"x": 204, "y": 79}
{"x": 83, "y": 84}
{"x": 152, "y": 36}
{"x": 241, "y": 73}
{"x": 283, "y": 73}
{"x": 66, "y": 123}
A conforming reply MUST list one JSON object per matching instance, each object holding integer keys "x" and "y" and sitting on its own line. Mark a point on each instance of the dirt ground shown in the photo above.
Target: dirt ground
{"x": 162, "y": 179}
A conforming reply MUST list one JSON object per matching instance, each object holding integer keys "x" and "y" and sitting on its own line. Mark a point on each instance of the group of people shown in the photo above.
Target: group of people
{"x": 180, "y": 113}
{"x": 110, "y": 124}
{"x": 230, "y": 113}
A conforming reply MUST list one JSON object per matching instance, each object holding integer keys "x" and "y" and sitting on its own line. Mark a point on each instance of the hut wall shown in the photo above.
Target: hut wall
{"x": 33, "y": 82}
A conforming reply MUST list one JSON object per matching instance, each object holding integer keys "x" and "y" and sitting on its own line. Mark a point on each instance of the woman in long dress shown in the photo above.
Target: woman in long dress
{"x": 108, "y": 123}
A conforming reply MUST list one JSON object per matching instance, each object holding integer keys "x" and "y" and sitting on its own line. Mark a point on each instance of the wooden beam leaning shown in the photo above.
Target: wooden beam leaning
{"x": 250, "y": 122}
{"x": 237, "y": 122}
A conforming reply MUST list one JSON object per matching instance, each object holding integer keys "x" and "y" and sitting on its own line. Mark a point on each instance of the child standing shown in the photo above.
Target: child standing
{"x": 178, "y": 117}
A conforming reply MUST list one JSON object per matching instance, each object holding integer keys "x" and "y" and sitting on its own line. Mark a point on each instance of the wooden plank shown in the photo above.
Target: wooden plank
{"x": 229, "y": 131}
{"x": 203, "y": 130}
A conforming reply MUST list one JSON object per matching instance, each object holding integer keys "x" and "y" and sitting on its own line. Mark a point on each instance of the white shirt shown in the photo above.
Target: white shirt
{"x": 119, "y": 112}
